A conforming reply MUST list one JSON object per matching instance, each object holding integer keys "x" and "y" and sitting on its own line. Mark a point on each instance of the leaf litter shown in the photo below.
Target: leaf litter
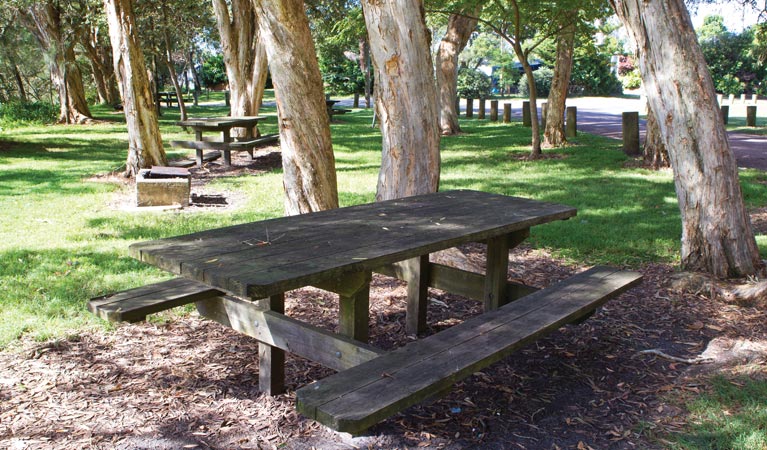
{"x": 185, "y": 382}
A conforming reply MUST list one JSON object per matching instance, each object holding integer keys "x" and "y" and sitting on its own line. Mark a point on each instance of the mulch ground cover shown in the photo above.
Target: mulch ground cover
{"x": 184, "y": 382}
{"x": 191, "y": 383}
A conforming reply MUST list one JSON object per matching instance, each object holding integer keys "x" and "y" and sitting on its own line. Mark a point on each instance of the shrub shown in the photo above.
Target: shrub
{"x": 592, "y": 75}
{"x": 728, "y": 84}
{"x": 625, "y": 66}
{"x": 213, "y": 71}
{"x": 542, "y": 78}
{"x": 18, "y": 113}
{"x": 632, "y": 80}
{"x": 474, "y": 84}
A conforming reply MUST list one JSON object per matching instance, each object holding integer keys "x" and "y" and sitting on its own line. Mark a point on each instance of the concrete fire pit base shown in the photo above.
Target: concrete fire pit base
{"x": 161, "y": 189}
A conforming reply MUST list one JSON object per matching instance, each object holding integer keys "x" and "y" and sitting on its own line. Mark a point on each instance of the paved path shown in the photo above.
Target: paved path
{"x": 602, "y": 116}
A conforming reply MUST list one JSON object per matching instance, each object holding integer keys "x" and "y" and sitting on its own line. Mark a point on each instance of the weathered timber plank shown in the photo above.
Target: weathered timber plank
{"x": 135, "y": 304}
{"x": 352, "y": 400}
{"x": 256, "y": 142}
{"x": 201, "y": 145}
{"x": 277, "y": 330}
{"x": 464, "y": 283}
{"x": 415, "y": 272}
{"x": 452, "y": 219}
{"x": 308, "y": 228}
{"x": 354, "y": 307}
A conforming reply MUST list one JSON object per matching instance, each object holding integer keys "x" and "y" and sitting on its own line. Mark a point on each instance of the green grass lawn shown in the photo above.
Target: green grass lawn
{"x": 61, "y": 243}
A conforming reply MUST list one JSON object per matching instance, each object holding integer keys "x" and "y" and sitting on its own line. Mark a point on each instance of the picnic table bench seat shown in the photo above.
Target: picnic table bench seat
{"x": 225, "y": 147}
{"x": 359, "y": 397}
{"x": 134, "y": 305}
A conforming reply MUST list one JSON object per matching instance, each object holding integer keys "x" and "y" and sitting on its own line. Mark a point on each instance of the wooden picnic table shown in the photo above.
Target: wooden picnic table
{"x": 225, "y": 143}
{"x": 238, "y": 276}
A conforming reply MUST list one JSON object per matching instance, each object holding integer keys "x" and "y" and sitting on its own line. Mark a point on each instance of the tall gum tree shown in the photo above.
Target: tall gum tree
{"x": 716, "y": 231}
{"x": 406, "y": 97}
{"x": 46, "y": 22}
{"x": 309, "y": 175}
{"x": 554, "y": 132}
{"x": 460, "y": 26}
{"x": 144, "y": 143}
{"x": 244, "y": 55}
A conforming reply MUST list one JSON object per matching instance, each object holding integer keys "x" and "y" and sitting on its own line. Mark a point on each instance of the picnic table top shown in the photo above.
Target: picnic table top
{"x": 264, "y": 258}
{"x": 220, "y": 122}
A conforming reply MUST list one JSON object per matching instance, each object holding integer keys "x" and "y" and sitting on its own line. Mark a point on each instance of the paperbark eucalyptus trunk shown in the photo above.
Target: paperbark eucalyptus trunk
{"x": 459, "y": 29}
{"x": 46, "y": 26}
{"x": 19, "y": 83}
{"x": 364, "y": 63}
{"x": 406, "y": 97}
{"x": 144, "y": 142}
{"x": 101, "y": 66}
{"x": 535, "y": 150}
{"x": 244, "y": 55}
{"x": 554, "y": 134}
{"x": 172, "y": 72}
{"x": 309, "y": 173}
{"x": 716, "y": 231}
{"x": 655, "y": 152}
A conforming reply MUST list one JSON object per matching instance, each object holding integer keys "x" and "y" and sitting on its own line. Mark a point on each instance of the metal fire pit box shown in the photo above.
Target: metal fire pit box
{"x": 163, "y": 186}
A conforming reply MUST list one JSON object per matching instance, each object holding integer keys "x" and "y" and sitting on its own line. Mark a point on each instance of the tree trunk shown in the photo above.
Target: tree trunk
{"x": 172, "y": 72}
{"x": 554, "y": 134}
{"x": 459, "y": 29}
{"x": 655, "y": 152}
{"x": 307, "y": 151}
{"x": 716, "y": 231}
{"x": 19, "y": 83}
{"x": 244, "y": 56}
{"x": 195, "y": 75}
{"x": 65, "y": 74}
{"x": 364, "y": 63}
{"x": 144, "y": 144}
{"x": 101, "y": 66}
{"x": 406, "y": 98}
{"x": 535, "y": 151}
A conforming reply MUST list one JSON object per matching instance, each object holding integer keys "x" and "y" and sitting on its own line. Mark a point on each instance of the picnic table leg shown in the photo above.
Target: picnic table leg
{"x": 271, "y": 360}
{"x": 353, "y": 305}
{"x": 227, "y": 137}
{"x": 198, "y": 152}
{"x": 497, "y": 272}
{"x": 415, "y": 272}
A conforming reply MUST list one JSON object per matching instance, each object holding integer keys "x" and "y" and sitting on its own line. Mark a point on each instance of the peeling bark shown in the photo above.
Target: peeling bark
{"x": 655, "y": 152}
{"x": 406, "y": 98}
{"x": 144, "y": 143}
{"x": 46, "y": 26}
{"x": 307, "y": 151}
{"x": 554, "y": 134}
{"x": 244, "y": 56}
{"x": 716, "y": 231}
{"x": 459, "y": 29}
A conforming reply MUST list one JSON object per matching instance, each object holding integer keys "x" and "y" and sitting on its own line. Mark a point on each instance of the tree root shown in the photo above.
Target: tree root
{"x": 696, "y": 360}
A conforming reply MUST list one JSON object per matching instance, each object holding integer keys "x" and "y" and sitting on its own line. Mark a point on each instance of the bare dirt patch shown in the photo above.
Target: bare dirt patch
{"x": 203, "y": 196}
{"x": 191, "y": 383}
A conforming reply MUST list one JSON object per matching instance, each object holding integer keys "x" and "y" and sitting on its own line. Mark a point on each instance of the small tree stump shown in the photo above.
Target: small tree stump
{"x": 751, "y": 116}
{"x": 526, "y": 116}
{"x": 571, "y": 124}
{"x": 631, "y": 133}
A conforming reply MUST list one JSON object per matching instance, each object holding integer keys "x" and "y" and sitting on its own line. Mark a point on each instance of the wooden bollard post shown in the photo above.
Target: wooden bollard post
{"x": 469, "y": 108}
{"x": 631, "y": 133}
{"x": 726, "y": 114}
{"x": 356, "y": 103}
{"x": 494, "y": 110}
{"x": 526, "y": 119}
{"x": 457, "y": 106}
{"x": 507, "y": 113}
{"x": 481, "y": 114}
{"x": 571, "y": 125}
{"x": 751, "y": 116}
{"x": 227, "y": 98}
{"x": 544, "y": 112}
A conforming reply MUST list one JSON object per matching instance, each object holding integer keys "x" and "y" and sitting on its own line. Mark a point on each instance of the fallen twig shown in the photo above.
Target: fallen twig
{"x": 696, "y": 360}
